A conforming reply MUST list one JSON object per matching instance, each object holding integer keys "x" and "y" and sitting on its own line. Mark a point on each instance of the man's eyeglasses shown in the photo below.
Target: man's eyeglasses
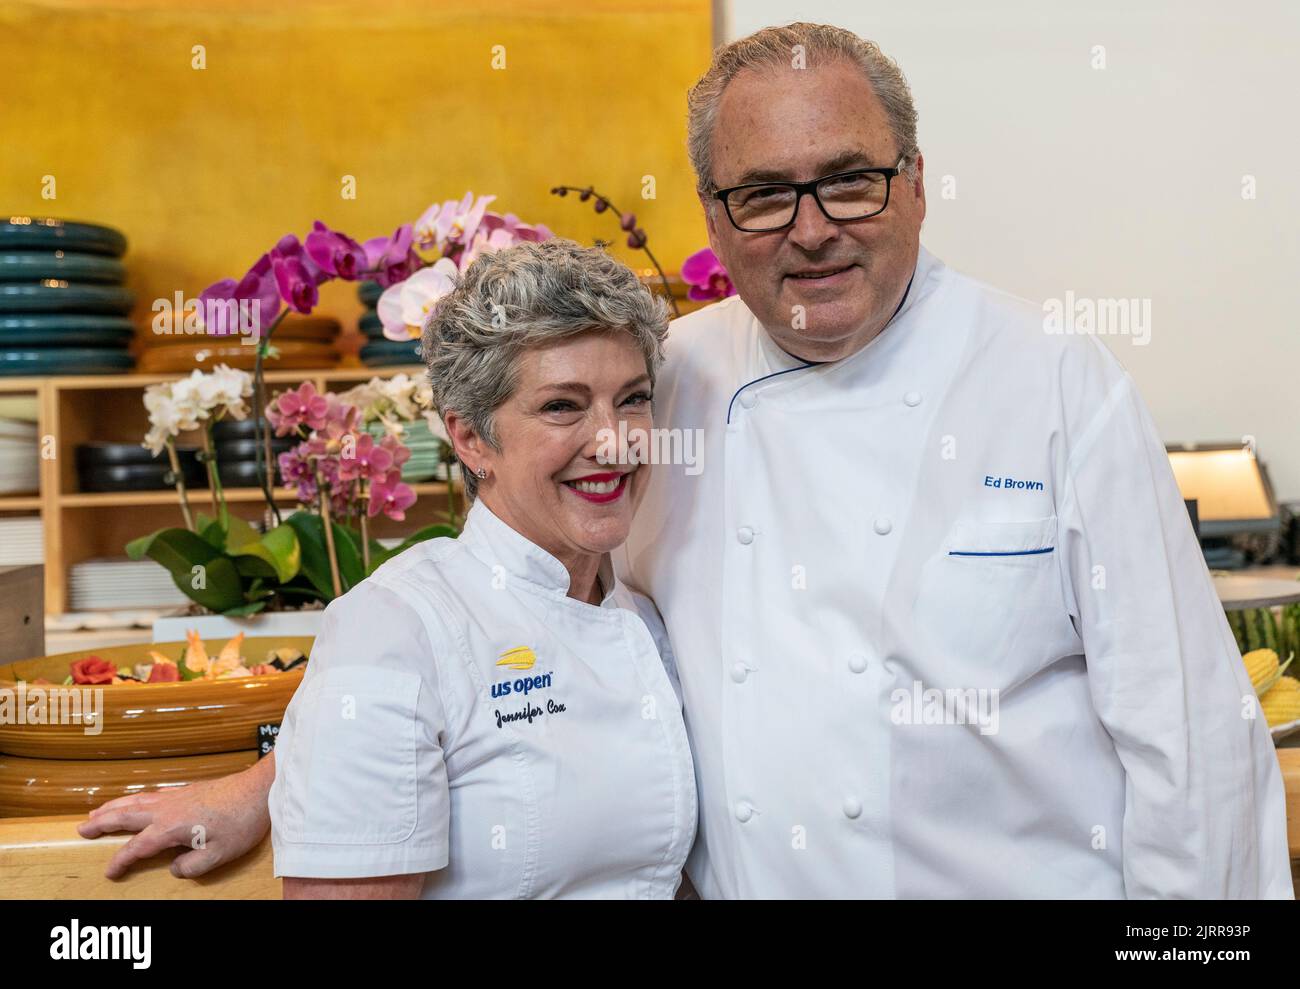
{"x": 758, "y": 207}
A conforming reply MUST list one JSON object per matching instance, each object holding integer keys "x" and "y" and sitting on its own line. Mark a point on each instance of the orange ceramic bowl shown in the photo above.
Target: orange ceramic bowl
{"x": 153, "y": 720}
{"x": 36, "y": 787}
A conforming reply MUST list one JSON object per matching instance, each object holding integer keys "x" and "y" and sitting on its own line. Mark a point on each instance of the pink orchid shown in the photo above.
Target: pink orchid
{"x": 293, "y": 409}
{"x": 340, "y": 421}
{"x": 706, "y": 276}
{"x": 496, "y": 233}
{"x": 443, "y": 227}
{"x": 404, "y": 307}
{"x": 391, "y": 497}
{"x": 400, "y": 451}
{"x": 368, "y": 460}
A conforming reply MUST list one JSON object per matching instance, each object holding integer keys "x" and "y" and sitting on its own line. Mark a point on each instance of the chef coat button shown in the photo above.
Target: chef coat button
{"x": 748, "y": 399}
{"x": 882, "y": 526}
{"x": 745, "y": 534}
{"x": 744, "y": 812}
{"x": 852, "y": 808}
{"x": 739, "y": 672}
{"x": 912, "y": 399}
{"x": 858, "y": 663}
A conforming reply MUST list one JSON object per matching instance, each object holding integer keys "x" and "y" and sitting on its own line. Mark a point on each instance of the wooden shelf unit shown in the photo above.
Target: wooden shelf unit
{"x": 83, "y": 525}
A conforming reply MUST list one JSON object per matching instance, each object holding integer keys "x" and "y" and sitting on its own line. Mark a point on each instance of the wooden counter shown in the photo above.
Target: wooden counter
{"x": 43, "y": 858}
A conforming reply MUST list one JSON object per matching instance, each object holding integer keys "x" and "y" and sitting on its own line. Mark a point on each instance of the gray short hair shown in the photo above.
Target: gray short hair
{"x": 775, "y": 47}
{"x": 521, "y": 297}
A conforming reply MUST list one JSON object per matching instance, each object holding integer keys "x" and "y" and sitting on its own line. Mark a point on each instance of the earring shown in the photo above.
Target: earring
{"x": 481, "y": 473}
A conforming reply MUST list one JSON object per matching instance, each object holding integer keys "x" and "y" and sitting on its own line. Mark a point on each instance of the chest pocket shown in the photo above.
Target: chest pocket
{"x": 989, "y": 604}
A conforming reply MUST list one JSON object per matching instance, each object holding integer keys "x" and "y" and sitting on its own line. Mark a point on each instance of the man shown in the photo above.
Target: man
{"x": 941, "y": 624}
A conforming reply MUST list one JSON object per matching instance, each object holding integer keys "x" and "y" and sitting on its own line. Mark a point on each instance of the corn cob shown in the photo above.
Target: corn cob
{"x": 1281, "y": 704}
{"x": 1261, "y": 666}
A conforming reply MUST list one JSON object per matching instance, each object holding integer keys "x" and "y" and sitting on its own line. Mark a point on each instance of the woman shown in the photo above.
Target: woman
{"x": 490, "y": 716}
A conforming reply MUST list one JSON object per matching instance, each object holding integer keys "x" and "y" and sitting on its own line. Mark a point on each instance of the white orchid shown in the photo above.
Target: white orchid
{"x": 404, "y": 307}
{"x": 175, "y": 407}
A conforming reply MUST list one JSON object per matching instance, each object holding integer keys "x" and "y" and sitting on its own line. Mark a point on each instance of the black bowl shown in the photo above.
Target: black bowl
{"x": 91, "y": 455}
{"x": 234, "y": 451}
{"x": 243, "y": 474}
{"x": 137, "y": 477}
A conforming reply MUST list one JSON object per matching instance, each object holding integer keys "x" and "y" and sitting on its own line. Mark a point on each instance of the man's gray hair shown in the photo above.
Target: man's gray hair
{"x": 521, "y": 297}
{"x": 809, "y": 46}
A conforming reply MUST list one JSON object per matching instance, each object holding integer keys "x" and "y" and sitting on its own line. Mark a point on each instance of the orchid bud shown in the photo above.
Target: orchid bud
{"x": 628, "y": 221}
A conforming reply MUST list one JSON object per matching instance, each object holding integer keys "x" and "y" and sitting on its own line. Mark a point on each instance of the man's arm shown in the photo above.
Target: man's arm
{"x": 218, "y": 820}
{"x": 1204, "y": 809}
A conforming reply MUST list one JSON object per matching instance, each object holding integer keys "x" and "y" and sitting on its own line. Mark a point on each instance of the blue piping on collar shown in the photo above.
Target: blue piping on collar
{"x": 906, "y": 292}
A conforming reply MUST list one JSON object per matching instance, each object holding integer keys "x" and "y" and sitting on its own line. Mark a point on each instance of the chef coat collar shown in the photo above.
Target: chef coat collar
{"x": 497, "y": 544}
{"x": 779, "y": 360}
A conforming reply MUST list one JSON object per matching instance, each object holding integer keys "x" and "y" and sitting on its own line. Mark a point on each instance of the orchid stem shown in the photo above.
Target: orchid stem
{"x": 324, "y": 495}
{"x": 263, "y": 448}
{"x": 180, "y": 485}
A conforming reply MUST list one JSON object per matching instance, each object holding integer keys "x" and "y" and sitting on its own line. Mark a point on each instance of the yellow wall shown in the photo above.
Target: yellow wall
{"x": 204, "y": 170}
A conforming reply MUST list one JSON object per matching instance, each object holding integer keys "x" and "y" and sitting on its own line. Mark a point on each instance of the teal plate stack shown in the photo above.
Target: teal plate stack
{"x": 63, "y": 305}
{"x": 378, "y": 350}
{"x": 426, "y": 450}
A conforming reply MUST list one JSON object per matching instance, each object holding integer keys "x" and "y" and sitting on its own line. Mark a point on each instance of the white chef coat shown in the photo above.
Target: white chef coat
{"x": 403, "y": 752}
{"x": 851, "y": 540}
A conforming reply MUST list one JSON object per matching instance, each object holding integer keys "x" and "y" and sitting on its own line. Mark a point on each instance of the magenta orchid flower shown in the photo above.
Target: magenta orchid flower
{"x": 391, "y": 497}
{"x": 258, "y": 287}
{"x": 392, "y": 258}
{"x": 706, "y": 276}
{"x": 296, "y": 471}
{"x": 335, "y": 253}
{"x": 295, "y": 283}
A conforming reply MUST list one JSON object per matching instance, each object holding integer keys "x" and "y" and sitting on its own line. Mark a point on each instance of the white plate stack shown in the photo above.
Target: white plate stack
{"x": 121, "y": 583}
{"x": 20, "y": 459}
{"x": 21, "y": 541}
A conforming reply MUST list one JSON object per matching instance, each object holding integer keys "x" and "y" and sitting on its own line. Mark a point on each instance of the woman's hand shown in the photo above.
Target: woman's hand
{"x": 218, "y": 820}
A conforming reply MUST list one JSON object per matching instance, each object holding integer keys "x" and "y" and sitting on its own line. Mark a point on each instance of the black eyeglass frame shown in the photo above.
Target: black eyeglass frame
{"x": 810, "y": 188}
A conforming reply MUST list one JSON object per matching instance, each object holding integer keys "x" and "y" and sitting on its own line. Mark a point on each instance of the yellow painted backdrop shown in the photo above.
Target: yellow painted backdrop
{"x": 205, "y": 169}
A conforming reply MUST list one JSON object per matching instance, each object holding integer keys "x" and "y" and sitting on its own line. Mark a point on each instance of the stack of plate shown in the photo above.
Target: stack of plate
{"x": 63, "y": 307}
{"x": 378, "y": 350}
{"x": 301, "y": 342}
{"x": 131, "y": 467}
{"x": 425, "y": 462}
{"x": 20, "y": 458}
{"x": 121, "y": 583}
{"x": 21, "y": 541}
{"x": 236, "y": 448}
